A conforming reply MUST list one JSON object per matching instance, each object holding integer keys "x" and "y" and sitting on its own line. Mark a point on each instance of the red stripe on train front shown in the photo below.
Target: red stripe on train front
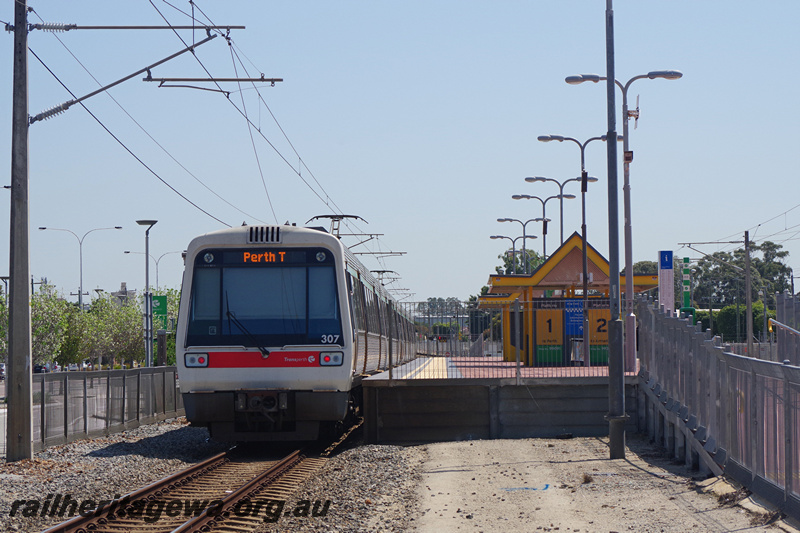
{"x": 257, "y": 360}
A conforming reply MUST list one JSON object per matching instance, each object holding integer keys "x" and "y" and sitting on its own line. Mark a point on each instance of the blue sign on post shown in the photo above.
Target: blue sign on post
{"x": 574, "y": 317}
{"x": 665, "y": 258}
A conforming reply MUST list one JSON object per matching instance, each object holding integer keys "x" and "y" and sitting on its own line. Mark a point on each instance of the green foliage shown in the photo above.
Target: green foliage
{"x": 720, "y": 279}
{"x": 48, "y": 324}
{"x": 725, "y": 319}
{"x": 516, "y": 263}
{"x": 109, "y": 332}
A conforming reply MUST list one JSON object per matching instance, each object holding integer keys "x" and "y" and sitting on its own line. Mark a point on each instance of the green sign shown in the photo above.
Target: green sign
{"x": 159, "y": 312}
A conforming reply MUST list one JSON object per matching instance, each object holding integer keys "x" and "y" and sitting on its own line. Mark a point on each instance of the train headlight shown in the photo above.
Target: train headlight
{"x": 331, "y": 358}
{"x": 196, "y": 360}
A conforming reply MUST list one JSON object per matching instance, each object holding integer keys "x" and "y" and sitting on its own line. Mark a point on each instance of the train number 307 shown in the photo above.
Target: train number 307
{"x": 330, "y": 339}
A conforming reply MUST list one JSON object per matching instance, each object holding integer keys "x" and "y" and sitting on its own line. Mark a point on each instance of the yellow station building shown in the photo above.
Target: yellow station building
{"x": 551, "y": 305}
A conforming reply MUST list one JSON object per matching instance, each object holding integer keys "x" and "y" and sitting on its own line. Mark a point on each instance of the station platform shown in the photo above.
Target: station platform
{"x": 434, "y": 399}
{"x": 493, "y": 366}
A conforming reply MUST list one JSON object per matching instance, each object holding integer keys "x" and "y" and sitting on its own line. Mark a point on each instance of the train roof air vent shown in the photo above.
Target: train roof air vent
{"x": 261, "y": 234}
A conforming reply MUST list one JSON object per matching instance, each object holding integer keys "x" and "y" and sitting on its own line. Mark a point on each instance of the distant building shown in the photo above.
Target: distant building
{"x": 124, "y": 294}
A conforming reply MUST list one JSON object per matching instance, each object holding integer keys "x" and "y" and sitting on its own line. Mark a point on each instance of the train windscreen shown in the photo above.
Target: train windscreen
{"x": 264, "y": 298}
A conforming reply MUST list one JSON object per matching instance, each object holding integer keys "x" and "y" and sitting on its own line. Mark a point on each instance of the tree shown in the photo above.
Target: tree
{"x": 516, "y": 263}
{"x": 48, "y": 324}
{"x": 775, "y": 274}
{"x": 720, "y": 276}
{"x": 114, "y": 330}
{"x": 643, "y": 268}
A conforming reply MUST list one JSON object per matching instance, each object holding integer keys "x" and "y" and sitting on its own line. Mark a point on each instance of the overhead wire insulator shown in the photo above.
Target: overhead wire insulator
{"x": 54, "y": 26}
{"x": 44, "y": 115}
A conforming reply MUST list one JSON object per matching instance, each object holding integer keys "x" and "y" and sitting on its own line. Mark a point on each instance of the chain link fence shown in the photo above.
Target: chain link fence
{"x": 539, "y": 338}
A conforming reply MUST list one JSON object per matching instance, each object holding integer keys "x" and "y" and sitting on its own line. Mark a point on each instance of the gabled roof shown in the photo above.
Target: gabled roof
{"x": 564, "y": 270}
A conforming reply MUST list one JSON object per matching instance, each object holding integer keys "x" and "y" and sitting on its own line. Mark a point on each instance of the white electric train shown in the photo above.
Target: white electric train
{"x": 277, "y": 327}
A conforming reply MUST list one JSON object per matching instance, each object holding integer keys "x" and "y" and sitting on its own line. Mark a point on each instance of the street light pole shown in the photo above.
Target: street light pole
{"x": 80, "y": 256}
{"x": 561, "y": 196}
{"x": 513, "y": 246}
{"x": 524, "y": 236}
{"x": 544, "y": 215}
{"x": 585, "y": 180}
{"x": 630, "y": 318}
{"x": 156, "y": 261}
{"x": 148, "y": 297}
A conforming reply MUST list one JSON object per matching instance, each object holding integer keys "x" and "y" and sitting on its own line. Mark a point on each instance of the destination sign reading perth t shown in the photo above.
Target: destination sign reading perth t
{"x": 264, "y": 257}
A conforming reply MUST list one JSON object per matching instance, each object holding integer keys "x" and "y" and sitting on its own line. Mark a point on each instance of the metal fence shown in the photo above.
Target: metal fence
{"x": 543, "y": 339}
{"x": 741, "y": 412}
{"x": 68, "y": 406}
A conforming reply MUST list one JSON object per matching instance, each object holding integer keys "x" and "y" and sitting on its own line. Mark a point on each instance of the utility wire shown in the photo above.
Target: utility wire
{"x": 328, "y": 200}
{"x": 252, "y": 140}
{"x": 198, "y": 180}
{"x": 153, "y": 172}
{"x": 298, "y": 171}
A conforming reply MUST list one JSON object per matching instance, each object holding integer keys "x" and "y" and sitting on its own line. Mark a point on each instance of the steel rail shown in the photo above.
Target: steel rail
{"x": 154, "y": 489}
{"x": 205, "y": 522}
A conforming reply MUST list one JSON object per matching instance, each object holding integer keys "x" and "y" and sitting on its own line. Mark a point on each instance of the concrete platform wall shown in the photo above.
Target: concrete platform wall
{"x": 413, "y": 411}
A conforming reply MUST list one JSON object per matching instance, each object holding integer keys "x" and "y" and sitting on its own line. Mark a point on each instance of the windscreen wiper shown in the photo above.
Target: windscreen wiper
{"x": 232, "y": 317}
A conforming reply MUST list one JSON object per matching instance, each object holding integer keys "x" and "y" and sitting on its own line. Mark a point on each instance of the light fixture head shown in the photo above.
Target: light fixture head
{"x": 146, "y": 222}
{"x": 666, "y": 74}
{"x": 580, "y": 78}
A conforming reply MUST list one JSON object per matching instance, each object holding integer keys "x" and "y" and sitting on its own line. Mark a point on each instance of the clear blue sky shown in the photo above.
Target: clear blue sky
{"x": 421, "y": 117}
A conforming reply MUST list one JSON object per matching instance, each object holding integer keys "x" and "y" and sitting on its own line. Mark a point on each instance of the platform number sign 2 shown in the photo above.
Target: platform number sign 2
{"x": 599, "y": 318}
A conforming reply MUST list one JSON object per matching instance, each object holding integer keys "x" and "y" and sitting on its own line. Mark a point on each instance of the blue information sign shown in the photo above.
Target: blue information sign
{"x": 665, "y": 258}
{"x": 574, "y": 317}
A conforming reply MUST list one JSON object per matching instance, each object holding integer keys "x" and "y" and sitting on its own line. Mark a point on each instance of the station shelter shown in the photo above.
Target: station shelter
{"x": 551, "y": 306}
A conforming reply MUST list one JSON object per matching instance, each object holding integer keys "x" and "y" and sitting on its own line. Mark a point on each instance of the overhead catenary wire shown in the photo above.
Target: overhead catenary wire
{"x": 328, "y": 201}
{"x": 143, "y": 129}
{"x": 252, "y": 140}
{"x": 323, "y": 196}
{"x": 124, "y": 146}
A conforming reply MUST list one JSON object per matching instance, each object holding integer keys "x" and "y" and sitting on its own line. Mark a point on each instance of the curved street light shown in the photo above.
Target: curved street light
{"x": 630, "y": 318}
{"x": 80, "y": 255}
{"x": 524, "y": 236}
{"x": 561, "y": 185}
{"x": 544, "y": 215}
{"x": 513, "y": 246}
{"x": 154, "y": 260}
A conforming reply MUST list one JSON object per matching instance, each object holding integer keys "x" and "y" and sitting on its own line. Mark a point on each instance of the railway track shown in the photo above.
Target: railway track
{"x": 227, "y": 492}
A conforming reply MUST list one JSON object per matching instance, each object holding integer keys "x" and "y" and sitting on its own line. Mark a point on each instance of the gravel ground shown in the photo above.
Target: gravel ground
{"x": 98, "y": 469}
{"x": 482, "y": 486}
